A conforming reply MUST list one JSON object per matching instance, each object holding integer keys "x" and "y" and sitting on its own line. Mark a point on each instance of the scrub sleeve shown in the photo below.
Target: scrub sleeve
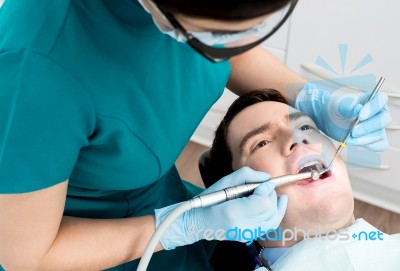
{"x": 92, "y": 92}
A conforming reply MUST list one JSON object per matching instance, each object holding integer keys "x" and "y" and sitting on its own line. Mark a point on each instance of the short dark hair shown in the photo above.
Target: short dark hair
{"x": 219, "y": 162}
{"x": 227, "y": 10}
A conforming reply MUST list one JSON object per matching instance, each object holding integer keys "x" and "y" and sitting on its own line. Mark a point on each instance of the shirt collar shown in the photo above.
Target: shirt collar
{"x": 272, "y": 254}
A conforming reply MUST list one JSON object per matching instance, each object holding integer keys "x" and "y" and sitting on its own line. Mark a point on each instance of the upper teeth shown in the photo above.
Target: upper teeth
{"x": 310, "y": 164}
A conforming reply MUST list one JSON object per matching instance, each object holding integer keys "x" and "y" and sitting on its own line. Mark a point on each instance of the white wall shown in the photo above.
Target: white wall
{"x": 366, "y": 26}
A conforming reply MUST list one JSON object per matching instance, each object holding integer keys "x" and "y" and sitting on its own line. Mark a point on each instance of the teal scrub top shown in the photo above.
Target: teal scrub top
{"x": 92, "y": 92}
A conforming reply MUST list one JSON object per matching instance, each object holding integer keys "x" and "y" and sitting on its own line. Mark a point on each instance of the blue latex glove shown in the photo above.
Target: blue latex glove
{"x": 261, "y": 209}
{"x": 335, "y": 112}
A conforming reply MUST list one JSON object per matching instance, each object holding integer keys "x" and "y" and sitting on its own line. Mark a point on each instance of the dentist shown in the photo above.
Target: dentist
{"x": 98, "y": 99}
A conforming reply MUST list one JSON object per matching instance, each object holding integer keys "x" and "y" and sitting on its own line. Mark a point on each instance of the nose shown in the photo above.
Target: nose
{"x": 294, "y": 139}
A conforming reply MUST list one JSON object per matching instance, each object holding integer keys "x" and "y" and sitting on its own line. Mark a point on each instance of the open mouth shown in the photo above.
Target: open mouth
{"x": 317, "y": 166}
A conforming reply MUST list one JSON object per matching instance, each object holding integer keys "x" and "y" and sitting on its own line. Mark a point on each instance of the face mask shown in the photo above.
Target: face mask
{"x": 208, "y": 38}
{"x": 211, "y": 38}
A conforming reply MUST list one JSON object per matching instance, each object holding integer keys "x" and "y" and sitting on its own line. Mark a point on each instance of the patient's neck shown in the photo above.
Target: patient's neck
{"x": 285, "y": 237}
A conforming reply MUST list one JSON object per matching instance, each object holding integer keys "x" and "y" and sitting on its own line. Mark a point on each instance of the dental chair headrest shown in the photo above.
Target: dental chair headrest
{"x": 207, "y": 171}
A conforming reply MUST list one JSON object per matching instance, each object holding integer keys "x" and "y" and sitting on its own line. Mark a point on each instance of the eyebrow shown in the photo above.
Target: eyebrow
{"x": 297, "y": 115}
{"x": 266, "y": 126}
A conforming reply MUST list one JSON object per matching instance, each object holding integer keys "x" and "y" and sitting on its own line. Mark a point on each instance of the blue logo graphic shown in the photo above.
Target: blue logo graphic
{"x": 372, "y": 235}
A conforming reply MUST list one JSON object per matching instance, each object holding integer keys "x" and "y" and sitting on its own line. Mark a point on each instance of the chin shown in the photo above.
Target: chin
{"x": 322, "y": 216}
{"x": 340, "y": 214}
{"x": 336, "y": 216}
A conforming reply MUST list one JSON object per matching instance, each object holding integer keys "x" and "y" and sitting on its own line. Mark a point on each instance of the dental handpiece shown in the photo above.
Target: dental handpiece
{"x": 212, "y": 199}
{"x": 342, "y": 144}
{"x": 234, "y": 192}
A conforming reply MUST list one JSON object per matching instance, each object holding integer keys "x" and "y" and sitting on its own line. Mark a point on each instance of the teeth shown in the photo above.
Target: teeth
{"x": 310, "y": 164}
{"x": 320, "y": 168}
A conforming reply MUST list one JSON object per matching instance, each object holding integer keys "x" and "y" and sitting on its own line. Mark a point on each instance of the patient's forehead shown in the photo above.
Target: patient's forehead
{"x": 260, "y": 113}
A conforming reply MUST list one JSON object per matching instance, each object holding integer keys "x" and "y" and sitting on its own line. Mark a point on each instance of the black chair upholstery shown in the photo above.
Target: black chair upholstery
{"x": 206, "y": 174}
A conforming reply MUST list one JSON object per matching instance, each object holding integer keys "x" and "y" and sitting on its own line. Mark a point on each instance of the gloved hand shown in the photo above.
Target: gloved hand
{"x": 335, "y": 112}
{"x": 261, "y": 209}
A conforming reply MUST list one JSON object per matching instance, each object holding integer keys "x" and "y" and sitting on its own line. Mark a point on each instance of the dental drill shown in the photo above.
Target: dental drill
{"x": 217, "y": 197}
{"x": 234, "y": 192}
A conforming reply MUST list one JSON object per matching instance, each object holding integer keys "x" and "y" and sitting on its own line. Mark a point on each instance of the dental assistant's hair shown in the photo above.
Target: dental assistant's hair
{"x": 219, "y": 162}
{"x": 225, "y": 10}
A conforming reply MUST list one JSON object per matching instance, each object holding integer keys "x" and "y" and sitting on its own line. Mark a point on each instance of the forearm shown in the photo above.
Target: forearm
{"x": 257, "y": 69}
{"x": 98, "y": 244}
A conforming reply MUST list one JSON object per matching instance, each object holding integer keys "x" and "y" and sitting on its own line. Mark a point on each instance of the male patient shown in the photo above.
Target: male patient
{"x": 262, "y": 132}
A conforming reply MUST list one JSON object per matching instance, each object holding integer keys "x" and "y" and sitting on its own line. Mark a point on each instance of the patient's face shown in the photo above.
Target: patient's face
{"x": 263, "y": 138}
